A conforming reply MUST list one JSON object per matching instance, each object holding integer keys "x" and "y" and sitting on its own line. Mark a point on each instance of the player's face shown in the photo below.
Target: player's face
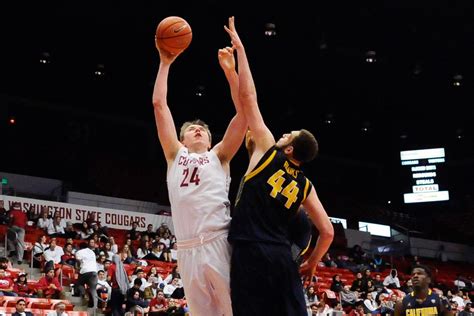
{"x": 419, "y": 278}
{"x": 286, "y": 139}
{"x": 196, "y": 133}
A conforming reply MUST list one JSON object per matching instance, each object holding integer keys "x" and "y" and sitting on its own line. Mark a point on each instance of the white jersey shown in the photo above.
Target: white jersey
{"x": 198, "y": 189}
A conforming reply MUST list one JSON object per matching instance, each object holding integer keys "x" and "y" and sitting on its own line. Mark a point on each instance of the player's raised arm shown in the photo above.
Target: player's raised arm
{"x": 163, "y": 118}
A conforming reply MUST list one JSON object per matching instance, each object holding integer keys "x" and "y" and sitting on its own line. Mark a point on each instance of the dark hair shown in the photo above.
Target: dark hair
{"x": 423, "y": 267}
{"x": 305, "y": 146}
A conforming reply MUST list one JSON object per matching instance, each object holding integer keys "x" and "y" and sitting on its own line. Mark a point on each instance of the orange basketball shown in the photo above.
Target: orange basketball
{"x": 173, "y": 34}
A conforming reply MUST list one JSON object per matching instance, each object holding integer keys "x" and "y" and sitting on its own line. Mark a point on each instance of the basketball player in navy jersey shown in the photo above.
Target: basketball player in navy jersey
{"x": 198, "y": 180}
{"x": 264, "y": 277}
{"x": 422, "y": 301}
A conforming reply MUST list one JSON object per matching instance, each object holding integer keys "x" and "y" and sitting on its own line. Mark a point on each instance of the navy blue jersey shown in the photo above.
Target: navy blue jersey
{"x": 430, "y": 306}
{"x": 269, "y": 198}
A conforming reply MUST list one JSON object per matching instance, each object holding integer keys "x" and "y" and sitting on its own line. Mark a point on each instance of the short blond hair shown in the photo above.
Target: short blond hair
{"x": 194, "y": 122}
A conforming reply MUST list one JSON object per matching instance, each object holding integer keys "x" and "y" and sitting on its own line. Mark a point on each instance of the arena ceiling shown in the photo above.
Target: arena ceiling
{"x": 78, "y": 78}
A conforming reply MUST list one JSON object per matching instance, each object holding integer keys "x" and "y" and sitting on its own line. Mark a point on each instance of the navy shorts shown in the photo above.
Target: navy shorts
{"x": 265, "y": 280}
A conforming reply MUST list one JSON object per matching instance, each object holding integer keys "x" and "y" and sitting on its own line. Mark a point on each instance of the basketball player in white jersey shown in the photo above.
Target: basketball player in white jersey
{"x": 198, "y": 182}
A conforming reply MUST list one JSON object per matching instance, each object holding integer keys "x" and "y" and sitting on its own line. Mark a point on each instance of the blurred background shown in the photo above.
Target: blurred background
{"x": 370, "y": 79}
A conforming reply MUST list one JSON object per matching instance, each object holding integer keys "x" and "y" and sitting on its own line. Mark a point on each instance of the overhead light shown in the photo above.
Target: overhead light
{"x": 329, "y": 119}
{"x": 200, "y": 91}
{"x": 45, "y": 58}
{"x": 370, "y": 56}
{"x": 457, "y": 80}
{"x": 99, "y": 70}
{"x": 270, "y": 29}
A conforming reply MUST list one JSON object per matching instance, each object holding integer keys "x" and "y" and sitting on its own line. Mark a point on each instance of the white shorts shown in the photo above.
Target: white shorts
{"x": 204, "y": 265}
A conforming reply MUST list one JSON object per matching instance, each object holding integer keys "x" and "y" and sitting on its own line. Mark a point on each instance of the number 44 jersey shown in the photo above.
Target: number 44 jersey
{"x": 269, "y": 197}
{"x": 198, "y": 189}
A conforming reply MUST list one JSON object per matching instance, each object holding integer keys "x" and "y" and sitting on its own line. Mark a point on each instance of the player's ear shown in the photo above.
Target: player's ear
{"x": 288, "y": 150}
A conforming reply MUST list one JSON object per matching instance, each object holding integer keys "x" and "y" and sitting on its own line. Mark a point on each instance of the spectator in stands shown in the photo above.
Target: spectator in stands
{"x": 143, "y": 249}
{"x": 87, "y": 266}
{"x": 32, "y": 215}
{"x": 107, "y": 249}
{"x": 118, "y": 280}
{"x": 321, "y": 309}
{"x": 370, "y": 305}
{"x": 104, "y": 290}
{"x": 174, "y": 252}
{"x": 59, "y": 310}
{"x": 70, "y": 231}
{"x": 328, "y": 262}
{"x": 3, "y": 213}
{"x": 68, "y": 257}
{"x": 20, "y": 286}
{"x": 16, "y": 232}
{"x": 166, "y": 239}
{"x": 407, "y": 287}
{"x": 139, "y": 273}
{"x": 157, "y": 252}
{"x": 54, "y": 252}
{"x": 337, "y": 285}
{"x": 85, "y": 231}
{"x": 348, "y": 297}
{"x": 358, "y": 309}
{"x": 171, "y": 287}
{"x": 163, "y": 229}
{"x": 176, "y": 307}
{"x": 174, "y": 274}
{"x": 20, "y": 309}
{"x": 97, "y": 226}
{"x": 113, "y": 245}
{"x": 386, "y": 304}
{"x": 310, "y": 296}
{"x": 467, "y": 310}
{"x": 377, "y": 263}
{"x": 49, "y": 286}
{"x": 149, "y": 232}
{"x": 345, "y": 262}
{"x": 358, "y": 283}
{"x": 391, "y": 281}
{"x": 458, "y": 297}
{"x": 159, "y": 303}
{"x": 135, "y": 296}
{"x": 5, "y": 263}
{"x": 358, "y": 254}
{"x": 56, "y": 226}
{"x": 133, "y": 232}
{"x": 38, "y": 250}
{"x": 153, "y": 272}
{"x": 44, "y": 219}
{"x": 462, "y": 283}
{"x": 378, "y": 283}
{"x": 101, "y": 260}
{"x": 152, "y": 289}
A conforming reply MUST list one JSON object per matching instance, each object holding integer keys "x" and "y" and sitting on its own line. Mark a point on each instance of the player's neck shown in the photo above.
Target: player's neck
{"x": 422, "y": 293}
{"x": 197, "y": 149}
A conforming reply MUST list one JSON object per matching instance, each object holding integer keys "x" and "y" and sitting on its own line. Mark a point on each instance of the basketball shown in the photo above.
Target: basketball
{"x": 173, "y": 34}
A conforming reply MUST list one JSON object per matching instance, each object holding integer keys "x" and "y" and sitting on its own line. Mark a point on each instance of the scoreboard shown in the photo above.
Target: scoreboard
{"x": 425, "y": 168}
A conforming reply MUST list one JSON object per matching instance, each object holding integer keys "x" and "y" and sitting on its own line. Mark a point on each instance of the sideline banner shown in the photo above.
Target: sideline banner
{"x": 78, "y": 213}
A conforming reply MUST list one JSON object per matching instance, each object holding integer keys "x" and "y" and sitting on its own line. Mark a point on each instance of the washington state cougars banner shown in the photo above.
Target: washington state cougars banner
{"x": 78, "y": 213}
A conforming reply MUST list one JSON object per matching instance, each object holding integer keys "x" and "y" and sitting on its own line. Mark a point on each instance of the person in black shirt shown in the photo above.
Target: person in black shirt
{"x": 264, "y": 277}
{"x": 422, "y": 301}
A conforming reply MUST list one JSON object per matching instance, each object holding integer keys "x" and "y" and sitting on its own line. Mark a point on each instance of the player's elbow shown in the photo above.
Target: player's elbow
{"x": 157, "y": 103}
{"x": 327, "y": 233}
{"x": 247, "y": 97}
